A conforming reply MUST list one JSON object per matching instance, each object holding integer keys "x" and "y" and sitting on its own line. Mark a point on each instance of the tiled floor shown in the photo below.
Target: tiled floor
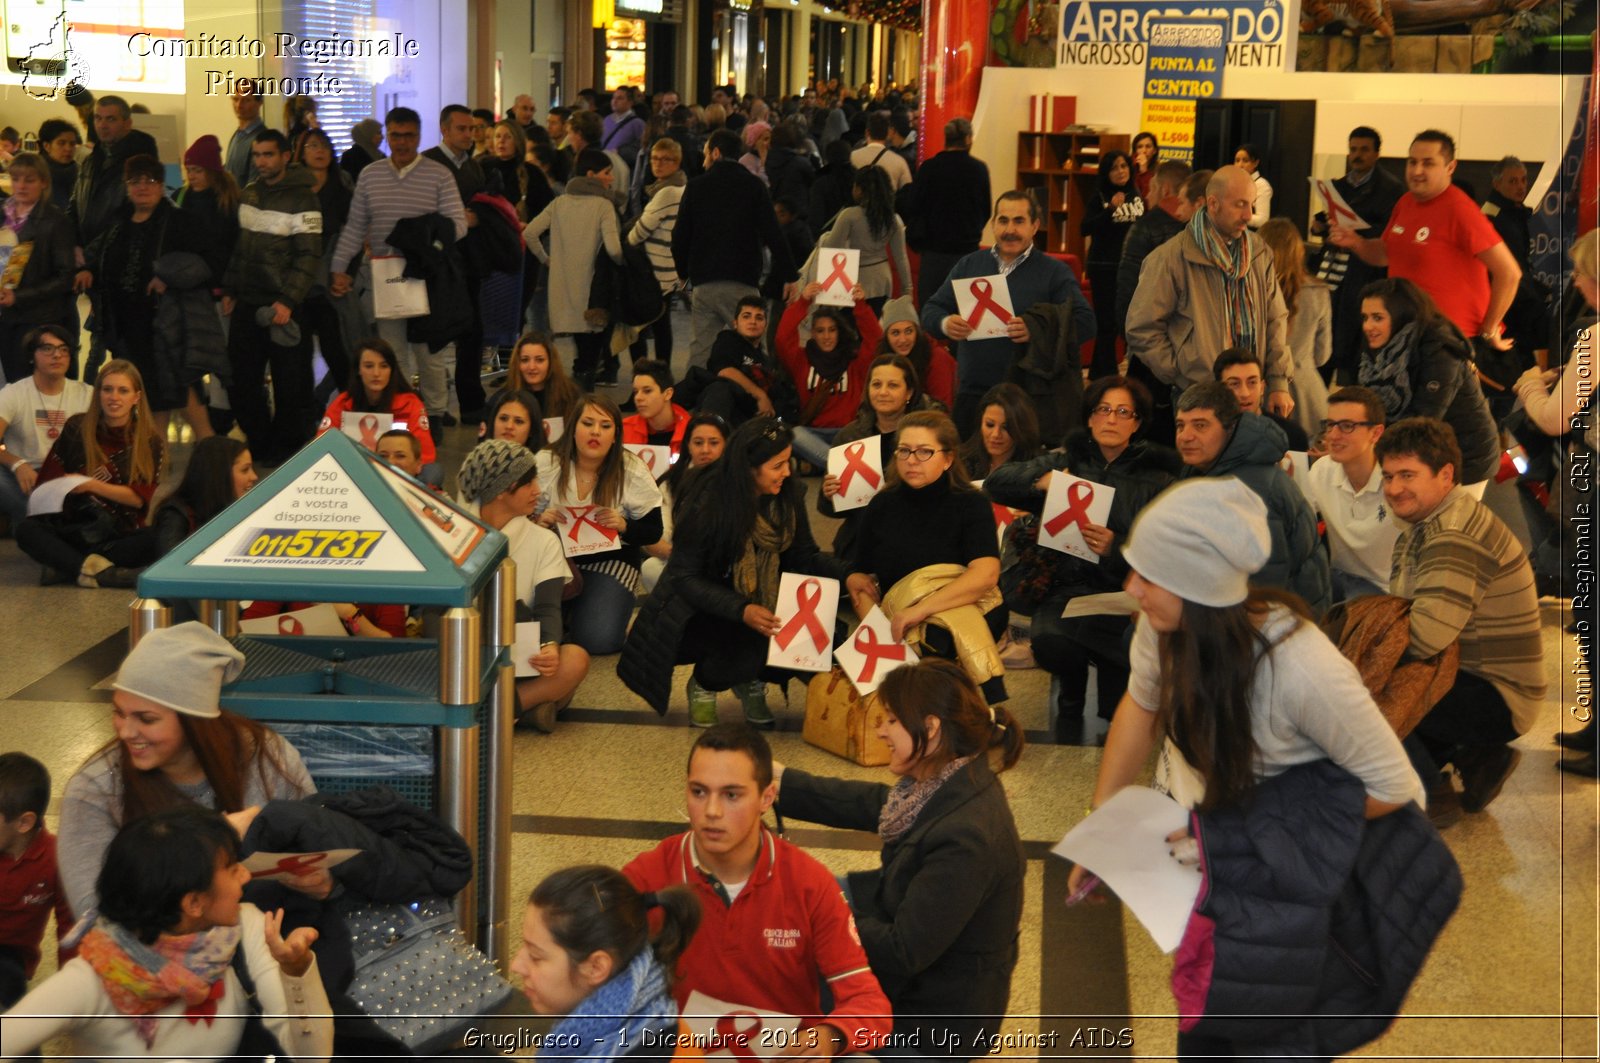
{"x": 1520, "y": 954}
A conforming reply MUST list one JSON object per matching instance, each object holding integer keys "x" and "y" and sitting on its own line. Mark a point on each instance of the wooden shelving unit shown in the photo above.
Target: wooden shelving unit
{"x": 1061, "y": 169}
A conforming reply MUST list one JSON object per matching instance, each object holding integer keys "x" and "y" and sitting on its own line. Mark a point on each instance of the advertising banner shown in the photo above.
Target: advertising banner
{"x": 1183, "y": 63}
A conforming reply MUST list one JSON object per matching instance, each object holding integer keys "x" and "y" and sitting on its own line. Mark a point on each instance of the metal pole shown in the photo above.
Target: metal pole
{"x": 220, "y": 615}
{"x": 460, "y": 683}
{"x": 144, "y": 616}
{"x": 500, "y": 629}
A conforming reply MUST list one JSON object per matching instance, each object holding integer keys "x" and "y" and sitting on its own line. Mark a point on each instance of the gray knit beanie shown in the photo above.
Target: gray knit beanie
{"x": 898, "y": 310}
{"x": 492, "y": 468}
{"x": 1202, "y": 539}
{"x": 182, "y": 668}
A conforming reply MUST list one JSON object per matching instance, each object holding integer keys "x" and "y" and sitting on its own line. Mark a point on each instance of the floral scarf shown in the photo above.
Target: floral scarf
{"x": 909, "y": 797}
{"x": 1388, "y": 371}
{"x": 608, "y": 1023}
{"x": 1239, "y": 297}
{"x": 142, "y": 979}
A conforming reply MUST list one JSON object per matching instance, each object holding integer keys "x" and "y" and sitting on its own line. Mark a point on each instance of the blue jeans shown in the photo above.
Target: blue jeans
{"x": 13, "y": 503}
{"x": 598, "y": 617}
{"x": 812, "y": 445}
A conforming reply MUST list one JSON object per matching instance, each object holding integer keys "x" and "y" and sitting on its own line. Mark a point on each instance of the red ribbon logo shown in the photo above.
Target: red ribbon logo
{"x": 867, "y": 644}
{"x": 838, "y": 274}
{"x": 981, "y": 289}
{"x": 806, "y": 618}
{"x": 288, "y": 625}
{"x": 298, "y": 865}
{"x": 1079, "y": 494}
{"x": 734, "y": 1040}
{"x": 648, "y": 456}
{"x": 855, "y": 462}
{"x": 580, "y": 517}
{"x": 1003, "y": 515}
{"x": 1337, "y": 214}
{"x": 369, "y": 432}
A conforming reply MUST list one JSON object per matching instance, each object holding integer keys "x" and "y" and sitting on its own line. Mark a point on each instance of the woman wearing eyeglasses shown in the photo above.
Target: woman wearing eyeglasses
{"x": 1106, "y": 450}
{"x": 739, "y": 524}
{"x": 928, "y": 555}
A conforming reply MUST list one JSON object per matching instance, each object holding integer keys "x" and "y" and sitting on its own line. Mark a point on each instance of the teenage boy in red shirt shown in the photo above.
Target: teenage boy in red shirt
{"x": 30, "y": 886}
{"x": 775, "y": 925}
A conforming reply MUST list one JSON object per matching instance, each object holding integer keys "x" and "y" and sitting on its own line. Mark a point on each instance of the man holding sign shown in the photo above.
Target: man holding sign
{"x": 1028, "y": 278}
{"x": 774, "y": 925}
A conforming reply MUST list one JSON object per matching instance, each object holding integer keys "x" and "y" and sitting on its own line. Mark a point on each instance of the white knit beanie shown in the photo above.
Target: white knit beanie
{"x": 1202, "y": 539}
{"x": 898, "y": 310}
{"x": 182, "y": 668}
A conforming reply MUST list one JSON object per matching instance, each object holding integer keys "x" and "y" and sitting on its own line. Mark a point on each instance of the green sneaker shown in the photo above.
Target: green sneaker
{"x": 753, "y": 695}
{"x": 702, "y": 705}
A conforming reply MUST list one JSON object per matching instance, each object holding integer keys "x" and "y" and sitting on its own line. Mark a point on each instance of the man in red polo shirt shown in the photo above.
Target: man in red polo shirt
{"x": 1438, "y": 239}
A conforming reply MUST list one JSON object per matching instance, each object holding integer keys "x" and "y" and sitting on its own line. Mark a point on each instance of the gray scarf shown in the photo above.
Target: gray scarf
{"x": 1387, "y": 371}
{"x": 909, "y": 797}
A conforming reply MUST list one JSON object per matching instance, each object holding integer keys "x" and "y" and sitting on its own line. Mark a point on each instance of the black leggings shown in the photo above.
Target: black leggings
{"x": 55, "y": 546}
{"x": 661, "y": 330}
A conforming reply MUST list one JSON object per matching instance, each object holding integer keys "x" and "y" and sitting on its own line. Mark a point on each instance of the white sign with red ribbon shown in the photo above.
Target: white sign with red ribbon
{"x": 1070, "y": 506}
{"x": 870, "y": 653}
{"x": 581, "y": 534}
{"x": 985, "y": 304}
{"x": 277, "y": 867}
{"x": 1339, "y": 212}
{"x": 859, "y": 467}
{"x": 807, "y": 606}
{"x": 838, "y": 270}
{"x": 733, "y": 1031}
{"x": 553, "y": 427}
{"x": 365, "y": 428}
{"x": 321, "y": 620}
{"x": 656, "y": 458}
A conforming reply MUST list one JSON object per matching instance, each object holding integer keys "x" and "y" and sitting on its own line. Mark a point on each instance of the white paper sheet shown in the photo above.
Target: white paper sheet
{"x": 859, "y": 467}
{"x": 733, "y": 1031}
{"x": 1124, "y": 842}
{"x": 278, "y": 866}
{"x": 656, "y": 458}
{"x": 553, "y": 427}
{"x": 1069, "y": 494}
{"x": 1339, "y": 212}
{"x": 870, "y": 653}
{"x": 838, "y": 271}
{"x": 321, "y": 620}
{"x": 51, "y": 496}
{"x": 985, "y": 303}
{"x": 807, "y": 607}
{"x": 581, "y": 536}
{"x": 525, "y": 646}
{"x": 365, "y": 428}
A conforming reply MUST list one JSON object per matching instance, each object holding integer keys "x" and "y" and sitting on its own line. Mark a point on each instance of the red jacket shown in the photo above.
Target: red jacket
{"x": 841, "y": 409}
{"x": 407, "y": 410}
{"x": 941, "y": 382}
{"x": 634, "y": 430}
{"x": 30, "y": 888}
{"x": 787, "y": 932}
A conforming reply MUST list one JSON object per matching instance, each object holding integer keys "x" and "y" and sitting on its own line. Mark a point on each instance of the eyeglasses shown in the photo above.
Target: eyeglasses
{"x": 1122, "y": 413}
{"x": 1345, "y": 427}
{"x": 917, "y": 454}
{"x": 52, "y": 348}
{"x": 135, "y": 182}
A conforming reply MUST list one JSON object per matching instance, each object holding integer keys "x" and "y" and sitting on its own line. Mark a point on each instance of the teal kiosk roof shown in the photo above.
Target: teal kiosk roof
{"x": 334, "y": 523}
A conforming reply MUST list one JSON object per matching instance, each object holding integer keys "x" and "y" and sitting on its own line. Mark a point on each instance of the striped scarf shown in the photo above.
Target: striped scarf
{"x": 1239, "y": 297}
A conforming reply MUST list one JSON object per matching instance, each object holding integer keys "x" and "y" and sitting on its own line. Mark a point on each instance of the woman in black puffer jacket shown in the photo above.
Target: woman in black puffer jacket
{"x": 1421, "y": 366}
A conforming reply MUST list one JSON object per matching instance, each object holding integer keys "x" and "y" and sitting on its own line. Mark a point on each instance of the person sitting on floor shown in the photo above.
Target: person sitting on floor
{"x": 755, "y": 888}
{"x": 656, "y": 420}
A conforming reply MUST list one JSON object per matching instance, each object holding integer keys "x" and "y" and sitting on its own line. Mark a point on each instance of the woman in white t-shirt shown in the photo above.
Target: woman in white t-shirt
{"x": 500, "y": 482}
{"x": 1236, "y": 680}
{"x": 605, "y": 506}
{"x": 33, "y": 411}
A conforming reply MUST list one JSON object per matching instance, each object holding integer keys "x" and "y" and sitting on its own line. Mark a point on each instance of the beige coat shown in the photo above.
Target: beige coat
{"x": 1177, "y": 321}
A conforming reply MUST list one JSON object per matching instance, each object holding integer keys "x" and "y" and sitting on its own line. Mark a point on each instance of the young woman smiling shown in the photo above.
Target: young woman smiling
{"x": 115, "y": 446}
{"x": 1008, "y": 430}
{"x": 589, "y": 476}
{"x": 174, "y": 746}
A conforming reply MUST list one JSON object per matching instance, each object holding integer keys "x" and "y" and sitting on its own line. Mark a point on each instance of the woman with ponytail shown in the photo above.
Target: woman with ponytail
{"x": 939, "y": 919}
{"x": 587, "y": 954}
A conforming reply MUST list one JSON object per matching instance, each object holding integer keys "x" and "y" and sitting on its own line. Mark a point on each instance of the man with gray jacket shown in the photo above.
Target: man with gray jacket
{"x": 274, "y": 265}
{"x": 1210, "y": 288}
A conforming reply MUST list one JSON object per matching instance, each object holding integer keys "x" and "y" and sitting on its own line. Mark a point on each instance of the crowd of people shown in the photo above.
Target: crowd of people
{"x": 1298, "y": 441}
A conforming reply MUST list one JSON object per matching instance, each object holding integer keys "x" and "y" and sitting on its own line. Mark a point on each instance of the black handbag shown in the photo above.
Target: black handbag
{"x": 1027, "y": 570}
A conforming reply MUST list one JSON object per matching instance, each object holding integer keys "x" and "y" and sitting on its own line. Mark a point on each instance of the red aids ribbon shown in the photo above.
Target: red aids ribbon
{"x": 838, "y": 273}
{"x": 288, "y": 625}
{"x": 299, "y": 865}
{"x": 207, "y": 1008}
{"x": 369, "y": 432}
{"x": 1077, "y": 511}
{"x": 806, "y": 618}
{"x": 867, "y": 644}
{"x": 1003, "y": 515}
{"x": 1337, "y": 215}
{"x": 732, "y": 1039}
{"x": 980, "y": 290}
{"x": 648, "y": 456}
{"x": 854, "y": 463}
{"x": 580, "y": 517}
